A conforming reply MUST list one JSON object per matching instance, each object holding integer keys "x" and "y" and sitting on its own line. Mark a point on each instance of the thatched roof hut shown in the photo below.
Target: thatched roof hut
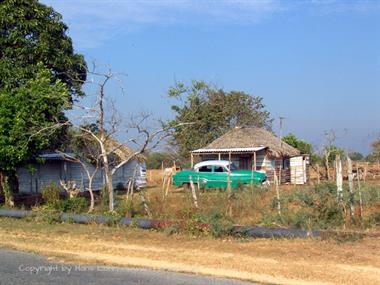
{"x": 257, "y": 149}
{"x": 250, "y": 139}
{"x": 122, "y": 151}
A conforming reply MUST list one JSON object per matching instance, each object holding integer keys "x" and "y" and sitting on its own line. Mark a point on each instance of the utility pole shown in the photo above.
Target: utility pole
{"x": 281, "y": 127}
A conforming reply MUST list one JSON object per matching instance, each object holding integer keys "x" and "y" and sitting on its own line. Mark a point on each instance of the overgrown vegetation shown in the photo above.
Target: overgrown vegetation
{"x": 50, "y": 194}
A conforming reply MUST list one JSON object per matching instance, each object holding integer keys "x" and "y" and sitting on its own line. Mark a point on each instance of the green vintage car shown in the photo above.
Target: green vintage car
{"x": 214, "y": 174}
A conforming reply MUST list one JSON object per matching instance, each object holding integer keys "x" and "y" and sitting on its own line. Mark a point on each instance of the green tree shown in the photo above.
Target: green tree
{"x": 303, "y": 146}
{"x": 375, "y": 153}
{"x": 32, "y": 33}
{"x": 39, "y": 76}
{"x": 205, "y": 113}
{"x": 356, "y": 156}
{"x": 35, "y": 105}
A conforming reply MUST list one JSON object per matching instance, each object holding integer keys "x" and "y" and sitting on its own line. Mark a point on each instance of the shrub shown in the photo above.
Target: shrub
{"x": 307, "y": 208}
{"x": 50, "y": 193}
{"x": 74, "y": 205}
{"x": 216, "y": 224}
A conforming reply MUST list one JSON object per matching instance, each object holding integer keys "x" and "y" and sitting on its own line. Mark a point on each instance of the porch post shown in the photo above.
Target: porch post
{"x": 192, "y": 160}
{"x": 219, "y": 156}
{"x": 254, "y": 161}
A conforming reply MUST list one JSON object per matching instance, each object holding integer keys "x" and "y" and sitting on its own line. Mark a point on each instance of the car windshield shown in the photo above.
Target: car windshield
{"x": 232, "y": 167}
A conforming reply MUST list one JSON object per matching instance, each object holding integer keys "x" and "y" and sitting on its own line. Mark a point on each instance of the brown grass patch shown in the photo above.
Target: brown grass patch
{"x": 269, "y": 261}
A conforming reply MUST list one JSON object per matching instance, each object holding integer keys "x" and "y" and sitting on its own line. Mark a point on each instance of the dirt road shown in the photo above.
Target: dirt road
{"x": 266, "y": 261}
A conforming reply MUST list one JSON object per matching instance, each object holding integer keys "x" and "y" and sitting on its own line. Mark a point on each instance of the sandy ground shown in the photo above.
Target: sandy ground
{"x": 262, "y": 260}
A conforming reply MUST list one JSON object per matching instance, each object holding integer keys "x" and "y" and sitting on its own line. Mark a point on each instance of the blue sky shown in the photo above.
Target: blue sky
{"x": 316, "y": 63}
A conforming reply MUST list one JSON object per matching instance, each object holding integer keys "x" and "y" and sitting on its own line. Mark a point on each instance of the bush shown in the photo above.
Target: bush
{"x": 307, "y": 208}
{"x": 73, "y": 205}
{"x": 216, "y": 225}
{"x": 50, "y": 193}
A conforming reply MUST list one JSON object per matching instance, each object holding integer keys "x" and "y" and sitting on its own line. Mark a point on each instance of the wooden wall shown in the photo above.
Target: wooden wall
{"x": 33, "y": 181}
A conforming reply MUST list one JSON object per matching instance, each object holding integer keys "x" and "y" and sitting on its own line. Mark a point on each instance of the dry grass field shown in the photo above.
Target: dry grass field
{"x": 268, "y": 261}
{"x": 254, "y": 206}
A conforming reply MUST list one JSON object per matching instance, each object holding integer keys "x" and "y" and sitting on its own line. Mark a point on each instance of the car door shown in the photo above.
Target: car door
{"x": 220, "y": 176}
{"x": 204, "y": 175}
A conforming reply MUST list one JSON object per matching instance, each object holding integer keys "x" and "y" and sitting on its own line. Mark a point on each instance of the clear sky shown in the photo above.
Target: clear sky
{"x": 316, "y": 63}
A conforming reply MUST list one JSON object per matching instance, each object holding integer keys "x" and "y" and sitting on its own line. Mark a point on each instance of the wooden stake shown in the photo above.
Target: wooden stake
{"x": 339, "y": 178}
{"x": 229, "y": 188}
{"x": 360, "y": 192}
{"x": 351, "y": 186}
{"x": 318, "y": 176}
{"x": 277, "y": 193}
{"x": 194, "y": 194}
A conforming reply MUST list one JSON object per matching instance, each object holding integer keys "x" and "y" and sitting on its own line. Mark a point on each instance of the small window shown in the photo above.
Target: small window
{"x": 206, "y": 168}
{"x": 219, "y": 169}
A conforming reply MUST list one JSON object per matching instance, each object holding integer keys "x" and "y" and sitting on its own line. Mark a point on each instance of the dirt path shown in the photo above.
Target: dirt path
{"x": 266, "y": 261}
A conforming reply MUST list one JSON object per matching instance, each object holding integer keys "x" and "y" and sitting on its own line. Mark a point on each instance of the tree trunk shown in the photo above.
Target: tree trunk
{"x": 8, "y": 194}
{"x": 92, "y": 199}
{"x": 327, "y": 166}
{"x": 318, "y": 175}
{"x": 109, "y": 189}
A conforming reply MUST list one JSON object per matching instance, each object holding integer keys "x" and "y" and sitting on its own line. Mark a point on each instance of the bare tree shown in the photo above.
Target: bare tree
{"x": 330, "y": 137}
{"x": 91, "y": 168}
{"x": 101, "y": 123}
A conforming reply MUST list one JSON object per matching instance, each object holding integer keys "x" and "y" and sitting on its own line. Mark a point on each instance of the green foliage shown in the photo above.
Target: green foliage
{"x": 32, "y": 33}
{"x": 332, "y": 152}
{"x": 207, "y": 113}
{"x": 155, "y": 159}
{"x": 303, "y": 146}
{"x": 39, "y": 74}
{"x": 37, "y": 104}
{"x": 356, "y": 156}
{"x": 72, "y": 205}
{"x": 317, "y": 207}
{"x": 308, "y": 208}
{"x": 217, "y": 224}
{"x": 375, "y": 153}
{"x": 50, "y": 193}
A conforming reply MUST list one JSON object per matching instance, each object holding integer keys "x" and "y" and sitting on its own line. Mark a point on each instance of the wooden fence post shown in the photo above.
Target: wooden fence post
{"x": 277, "y": 193}
{"x": 318, "y": 175}
{"x": 351, "y": 186}
{"x": 339, "y": 178}
{"x": 193, "y": 192}
{"x": 360, "y": 191}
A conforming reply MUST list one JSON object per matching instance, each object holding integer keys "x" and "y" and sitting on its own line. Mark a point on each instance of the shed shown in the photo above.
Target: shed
{"x": 257, "y": 149}
{"x": 54, "y": 167}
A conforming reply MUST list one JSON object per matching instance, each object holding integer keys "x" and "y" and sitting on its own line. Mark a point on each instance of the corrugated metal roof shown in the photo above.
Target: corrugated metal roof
{"x": 228, "y": 150}
{"x": 56, "y": 155}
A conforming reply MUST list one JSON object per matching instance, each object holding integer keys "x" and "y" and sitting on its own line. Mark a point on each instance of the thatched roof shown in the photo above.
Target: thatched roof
{"x": 251, "y": 138}
{"x": 123, "y": 152}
